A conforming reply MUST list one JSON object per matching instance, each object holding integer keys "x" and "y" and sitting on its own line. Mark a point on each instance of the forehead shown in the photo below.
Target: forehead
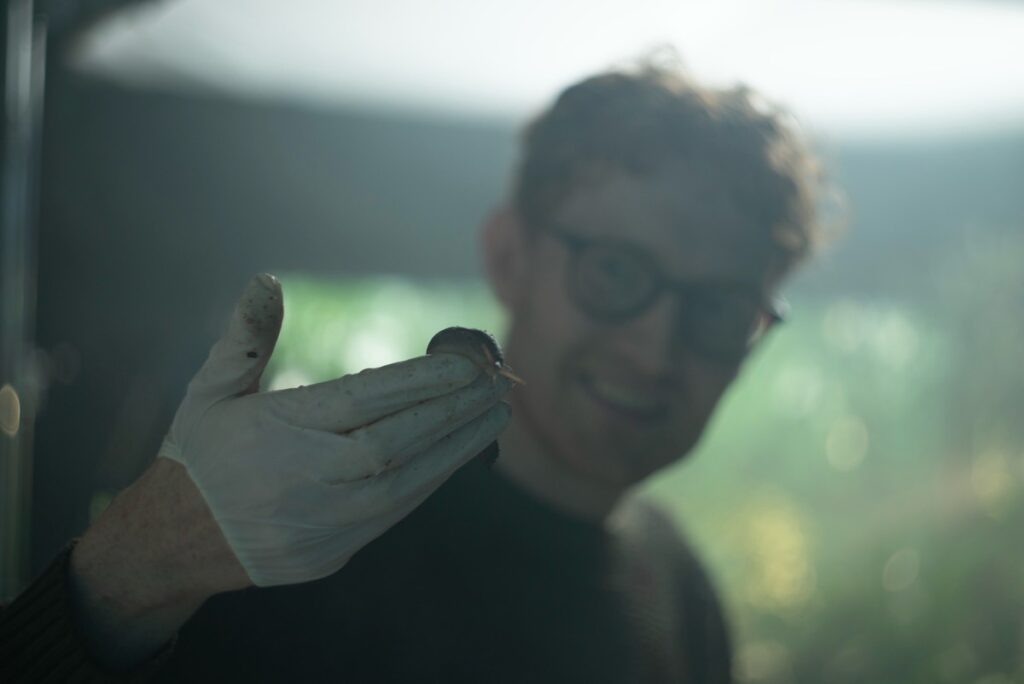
{"x": 684, "y": 215}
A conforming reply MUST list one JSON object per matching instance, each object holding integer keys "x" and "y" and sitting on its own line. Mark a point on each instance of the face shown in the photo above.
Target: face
{"x": 615, "y": 400}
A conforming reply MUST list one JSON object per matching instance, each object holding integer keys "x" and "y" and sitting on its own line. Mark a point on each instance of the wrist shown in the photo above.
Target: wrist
{"x": 147, "y": 564}
{"x": 156, "y": 544}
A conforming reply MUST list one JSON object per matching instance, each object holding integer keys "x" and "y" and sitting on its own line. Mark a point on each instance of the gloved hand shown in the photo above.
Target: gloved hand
{"x": 300, "y": 479}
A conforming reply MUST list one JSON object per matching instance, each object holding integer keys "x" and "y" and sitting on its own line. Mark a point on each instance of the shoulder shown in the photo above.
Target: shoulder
{"x": 646, "y": 527}
{"x": 647, "y": 532}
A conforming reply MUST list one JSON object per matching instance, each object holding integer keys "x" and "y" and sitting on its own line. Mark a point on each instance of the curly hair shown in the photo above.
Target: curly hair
{"x": 647, "y": 118}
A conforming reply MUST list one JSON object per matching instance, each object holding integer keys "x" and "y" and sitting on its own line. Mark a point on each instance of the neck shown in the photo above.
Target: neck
{"x": 533, "y": 462}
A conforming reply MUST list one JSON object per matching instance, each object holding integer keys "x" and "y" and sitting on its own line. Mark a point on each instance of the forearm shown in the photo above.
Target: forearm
{"x": 146, "y": 565}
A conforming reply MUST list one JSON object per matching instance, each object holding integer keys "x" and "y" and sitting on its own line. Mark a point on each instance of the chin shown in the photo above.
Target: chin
{"x": 624, "y": 463}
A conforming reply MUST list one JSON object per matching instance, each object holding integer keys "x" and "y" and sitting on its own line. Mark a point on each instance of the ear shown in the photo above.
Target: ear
{"x": 503, "y": 241}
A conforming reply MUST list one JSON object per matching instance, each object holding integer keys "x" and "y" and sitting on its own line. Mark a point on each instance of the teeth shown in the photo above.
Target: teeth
{"x": 624, "y": 397}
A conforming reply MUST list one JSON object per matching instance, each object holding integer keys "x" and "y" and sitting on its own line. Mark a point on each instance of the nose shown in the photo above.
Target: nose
{"x": 649, "y": 341}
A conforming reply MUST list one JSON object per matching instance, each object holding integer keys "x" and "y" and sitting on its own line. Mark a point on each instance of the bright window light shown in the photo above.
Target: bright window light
{"x": 842, "y": 65}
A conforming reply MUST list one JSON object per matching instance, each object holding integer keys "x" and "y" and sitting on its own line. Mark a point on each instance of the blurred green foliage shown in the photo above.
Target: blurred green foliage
{"x": 859, "y": 496}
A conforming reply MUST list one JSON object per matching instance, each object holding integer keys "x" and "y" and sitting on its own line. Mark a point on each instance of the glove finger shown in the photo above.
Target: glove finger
{"x": 337, "y": 521}
{"x": 416, "y": 480}
{"x": 238, "y": 359}
{"x": 355, "y": 400}
{"x": 414, "y": 430}
{"x": 393, "y": 441}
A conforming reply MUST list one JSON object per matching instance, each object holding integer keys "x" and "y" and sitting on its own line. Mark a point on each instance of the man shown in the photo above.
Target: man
{"x": 651, "y": 226}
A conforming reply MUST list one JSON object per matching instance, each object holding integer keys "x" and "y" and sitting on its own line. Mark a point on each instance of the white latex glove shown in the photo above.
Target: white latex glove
{"x": 301, "y": 479}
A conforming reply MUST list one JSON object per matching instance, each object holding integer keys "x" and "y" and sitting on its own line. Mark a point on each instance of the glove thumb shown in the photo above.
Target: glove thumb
{"x": 238, "y": 359}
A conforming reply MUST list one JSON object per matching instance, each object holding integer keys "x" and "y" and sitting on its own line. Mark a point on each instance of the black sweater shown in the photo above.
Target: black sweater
{"x": 482, "y": 583}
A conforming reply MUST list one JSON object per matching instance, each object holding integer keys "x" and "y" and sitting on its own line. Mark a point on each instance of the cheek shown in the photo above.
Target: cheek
{"x": 550, "y": 351}
{"x": 552, "y": 342}
{"x": 551, "y": 327}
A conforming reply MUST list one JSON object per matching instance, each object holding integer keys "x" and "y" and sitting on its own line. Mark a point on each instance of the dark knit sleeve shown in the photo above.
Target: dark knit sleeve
{"x": 39, "y": 641}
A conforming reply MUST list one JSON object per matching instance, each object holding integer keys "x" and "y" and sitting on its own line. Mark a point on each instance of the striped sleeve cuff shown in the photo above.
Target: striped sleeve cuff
{"x": 39, "y": 641}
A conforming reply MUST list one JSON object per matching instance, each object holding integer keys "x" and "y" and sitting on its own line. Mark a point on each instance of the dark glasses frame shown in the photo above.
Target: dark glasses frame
{"x": 772, "y": 310}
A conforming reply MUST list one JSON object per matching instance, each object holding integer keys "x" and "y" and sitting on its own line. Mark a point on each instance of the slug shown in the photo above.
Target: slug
{"x": 482, "y": 349}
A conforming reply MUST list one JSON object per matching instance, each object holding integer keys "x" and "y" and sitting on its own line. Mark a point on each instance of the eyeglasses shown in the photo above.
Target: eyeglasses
{"x": 613, "y": 281}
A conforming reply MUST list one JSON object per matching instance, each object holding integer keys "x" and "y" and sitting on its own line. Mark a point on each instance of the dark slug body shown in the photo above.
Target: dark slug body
{"x": 481, "y": 348}
{"x": 475, "y": 344}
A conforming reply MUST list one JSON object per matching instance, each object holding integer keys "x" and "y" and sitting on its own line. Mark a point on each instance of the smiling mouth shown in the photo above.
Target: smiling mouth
{"x": 628, "y": 402}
